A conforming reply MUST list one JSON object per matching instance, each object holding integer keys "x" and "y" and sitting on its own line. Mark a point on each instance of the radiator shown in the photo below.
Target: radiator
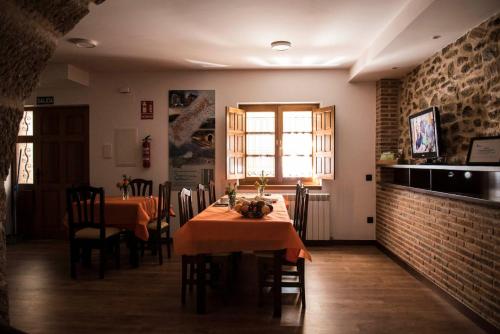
{"x": 318, "y": 215}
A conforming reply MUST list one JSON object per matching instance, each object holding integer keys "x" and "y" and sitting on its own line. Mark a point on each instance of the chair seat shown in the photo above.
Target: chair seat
{"x": 93, "y": 233}
{"x": 154, "y": 225}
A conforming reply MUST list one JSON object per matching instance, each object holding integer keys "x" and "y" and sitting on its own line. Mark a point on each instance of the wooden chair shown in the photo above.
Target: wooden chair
{"x": 189, "y": 262}
{"x": 265, "y": 259}
{"x": 141, "y": 187}
{"x": 161, "y": 224}
{"x": 87, "y": 229}
{"x": 201, "y": 198}
{"x": 211, "y": 192}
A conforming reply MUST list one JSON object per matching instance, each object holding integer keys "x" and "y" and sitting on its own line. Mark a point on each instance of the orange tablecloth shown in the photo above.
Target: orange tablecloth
{"x": 217, "y": 229}
{"x": 132, "y": 214}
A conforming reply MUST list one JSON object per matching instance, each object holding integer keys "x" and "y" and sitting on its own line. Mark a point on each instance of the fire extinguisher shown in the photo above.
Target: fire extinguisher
{"x": 146, "y": 152}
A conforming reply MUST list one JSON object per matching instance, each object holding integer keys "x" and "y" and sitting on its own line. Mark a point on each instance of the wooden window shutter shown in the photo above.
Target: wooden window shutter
{"x": 324, "y": 143}
{"x": 235, "y": 143}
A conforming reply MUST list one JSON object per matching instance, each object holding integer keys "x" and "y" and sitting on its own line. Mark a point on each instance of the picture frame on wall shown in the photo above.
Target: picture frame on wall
{"x": 484, "y": 151}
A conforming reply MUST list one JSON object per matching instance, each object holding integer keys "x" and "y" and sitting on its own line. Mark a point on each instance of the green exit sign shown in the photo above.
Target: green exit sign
{"x": 44, "y": 100}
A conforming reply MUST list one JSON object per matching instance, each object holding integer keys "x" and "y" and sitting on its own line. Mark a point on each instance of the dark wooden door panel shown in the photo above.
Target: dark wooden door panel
{"x": 61, "y": 159}
{"x": 50, "y": 213}
{"x": 49, "y": 163}
{"x": 74, "y": 171}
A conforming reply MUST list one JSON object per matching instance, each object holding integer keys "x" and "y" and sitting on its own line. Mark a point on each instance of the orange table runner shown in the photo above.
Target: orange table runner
{"x": 218, "y": 229}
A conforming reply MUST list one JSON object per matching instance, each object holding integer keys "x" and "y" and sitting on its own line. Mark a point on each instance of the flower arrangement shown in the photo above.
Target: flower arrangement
{"x": 261, "y": 184}
{"x": 231, "y": 193}
{"x": 123, "y": 185}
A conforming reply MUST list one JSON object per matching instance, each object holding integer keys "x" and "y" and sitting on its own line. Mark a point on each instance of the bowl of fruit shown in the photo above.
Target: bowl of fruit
{"x": 253, "y": 208}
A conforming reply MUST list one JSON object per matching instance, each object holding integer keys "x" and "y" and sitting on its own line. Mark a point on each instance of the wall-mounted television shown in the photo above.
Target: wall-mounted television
{"x": 424, "y": 134}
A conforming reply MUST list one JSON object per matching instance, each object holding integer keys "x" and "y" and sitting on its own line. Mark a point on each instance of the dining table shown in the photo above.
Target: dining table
{"x": 218, "y": 229}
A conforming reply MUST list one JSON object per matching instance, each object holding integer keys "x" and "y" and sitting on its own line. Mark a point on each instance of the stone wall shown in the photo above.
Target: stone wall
{"x": 463, "y": 81}
{"x": 29, "y": 31}
{"x": 453, "y": 243}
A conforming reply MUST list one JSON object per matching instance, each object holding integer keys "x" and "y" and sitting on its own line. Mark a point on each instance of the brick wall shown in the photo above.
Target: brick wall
{"x": 387, "y": 132}
{"x": 453, "y": 243}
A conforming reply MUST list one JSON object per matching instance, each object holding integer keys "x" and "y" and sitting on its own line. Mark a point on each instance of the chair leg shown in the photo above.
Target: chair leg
{"x": 168, "y": 242}
{"x": 142, "y": 245}
{"x": 102, "y": 259}
{"x": 117, "y": 254}
{"x": 184, "y": 280}
{"x": 160, "y": 253}
{"x": 301, "y": 270}
{"x": 73, "y": 256}
{"x": 191, "y": 276}
{"x": 261, "y": 277}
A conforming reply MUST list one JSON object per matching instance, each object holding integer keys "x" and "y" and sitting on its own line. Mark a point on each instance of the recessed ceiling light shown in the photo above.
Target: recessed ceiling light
{"x": 83, "y": 42}
{"x": 436, "y": 37}
{"x": 281, "y": 45}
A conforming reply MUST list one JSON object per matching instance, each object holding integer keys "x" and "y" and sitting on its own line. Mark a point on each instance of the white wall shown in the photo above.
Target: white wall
{"x": 352, "y": 198}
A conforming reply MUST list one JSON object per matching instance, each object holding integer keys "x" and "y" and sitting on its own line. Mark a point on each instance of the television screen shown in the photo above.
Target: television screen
{"x": 424, "y": 133}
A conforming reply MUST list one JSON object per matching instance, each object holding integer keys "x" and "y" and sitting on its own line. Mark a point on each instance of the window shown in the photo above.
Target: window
{"x": 286, "y": 141}
{"x": 24, "y": 149}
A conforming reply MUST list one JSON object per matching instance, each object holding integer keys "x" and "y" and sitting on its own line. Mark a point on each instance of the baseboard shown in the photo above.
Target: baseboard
{"x": 323, "y": 243}
{"x": 476, "y": 318}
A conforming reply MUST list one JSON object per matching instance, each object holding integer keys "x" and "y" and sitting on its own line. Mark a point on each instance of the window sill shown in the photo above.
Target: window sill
{"x": 277, "y": 187}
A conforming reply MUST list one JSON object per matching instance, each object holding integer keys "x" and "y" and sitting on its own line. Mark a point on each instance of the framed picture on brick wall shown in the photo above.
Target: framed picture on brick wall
{"x": 484, "y": 151}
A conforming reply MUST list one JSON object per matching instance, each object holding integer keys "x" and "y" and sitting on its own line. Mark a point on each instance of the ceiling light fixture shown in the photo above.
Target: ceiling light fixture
{"x": 436, "y": 37}
{"x": 83, "y": 42}
{"x": 281, "y": 45}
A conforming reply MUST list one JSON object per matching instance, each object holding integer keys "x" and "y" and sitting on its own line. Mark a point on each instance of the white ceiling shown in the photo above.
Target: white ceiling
{"x": 154, "y": 35}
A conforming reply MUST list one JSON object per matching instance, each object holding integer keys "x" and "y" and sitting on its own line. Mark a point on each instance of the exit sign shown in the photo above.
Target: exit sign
{"x": 44, "y": 100}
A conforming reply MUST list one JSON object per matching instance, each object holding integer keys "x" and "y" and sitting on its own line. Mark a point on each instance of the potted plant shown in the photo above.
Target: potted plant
{"x": 261, "y": 184}
{"x": 231, "y": 194}
{"x": 123, "y": 185}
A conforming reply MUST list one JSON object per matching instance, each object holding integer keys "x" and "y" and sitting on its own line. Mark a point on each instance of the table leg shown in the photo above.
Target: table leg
{"x": 278, "y": 256}
{"x": 134, "y": 250}
{"x": 200, "y": 284}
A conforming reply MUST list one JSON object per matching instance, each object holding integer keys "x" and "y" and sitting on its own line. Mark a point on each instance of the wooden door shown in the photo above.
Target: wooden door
{"x": 61, "y": 159}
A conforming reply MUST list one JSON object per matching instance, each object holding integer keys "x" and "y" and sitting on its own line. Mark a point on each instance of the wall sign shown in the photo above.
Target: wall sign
{"x": 146, "y": 109}
{"x": 191, "y": 137}
{"x": 44, "y": 100}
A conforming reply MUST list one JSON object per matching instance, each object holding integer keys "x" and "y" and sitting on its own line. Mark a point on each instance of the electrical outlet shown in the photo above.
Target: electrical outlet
{"x": 369, "y": 220}
{"x": 369, "y": 177}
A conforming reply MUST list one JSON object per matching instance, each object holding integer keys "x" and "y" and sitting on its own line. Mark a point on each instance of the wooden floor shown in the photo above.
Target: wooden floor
{"x": 350, "y": 289}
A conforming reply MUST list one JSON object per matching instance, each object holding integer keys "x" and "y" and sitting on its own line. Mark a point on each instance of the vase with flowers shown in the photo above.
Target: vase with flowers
{"x": 123, "y": 185}
{"x": 261, "y": 184}
{"x": 231, "y": 189}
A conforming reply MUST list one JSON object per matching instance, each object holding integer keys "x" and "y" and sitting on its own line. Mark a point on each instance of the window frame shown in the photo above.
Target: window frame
{"x": 279, "y": 109}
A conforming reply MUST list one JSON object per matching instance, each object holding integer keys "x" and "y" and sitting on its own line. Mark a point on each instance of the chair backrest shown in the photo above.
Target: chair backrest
{"x": 211, "y": 192}
{"x": 81, "y": 205}
{"x": 301, "y": 223}
{"x": 201, "y": 198}
{"x": 164, "y": 190}
{"x": 141, "y": 187}
{"x": 297, "y": 201}
{"x": 185, "y": 206}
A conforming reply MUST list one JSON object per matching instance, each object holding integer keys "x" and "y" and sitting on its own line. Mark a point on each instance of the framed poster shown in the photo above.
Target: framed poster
{"x": 484, "y": 151}
{"x": 191, "y": 137}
